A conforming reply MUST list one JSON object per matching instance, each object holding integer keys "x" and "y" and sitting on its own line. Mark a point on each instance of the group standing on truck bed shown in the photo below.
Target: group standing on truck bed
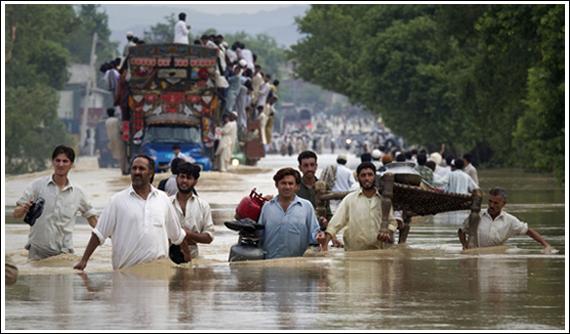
{"x": 242, "y": 110}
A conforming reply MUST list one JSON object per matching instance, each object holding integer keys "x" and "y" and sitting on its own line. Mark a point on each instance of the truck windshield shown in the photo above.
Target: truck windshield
{"x": 169, "y": 134}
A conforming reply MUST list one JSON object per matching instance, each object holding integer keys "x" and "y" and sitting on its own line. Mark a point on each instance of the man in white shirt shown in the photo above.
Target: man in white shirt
{"x": 226, "y": 145}
{"x": 246, "y": 54}
{"x": 264, "y": 90}
{"x": 344, "y": 180}
{"x": 256, "y": 82}
{"x": 193, "y": 212}
{"x": 130, "y": 43}
{"x": 52, "y": 232}
{"x": 360, "y": 213}
{"x": 469, "y": 168}
{"x": 181, "y": 30}
{"x": 458, "y": 181}
{"x": 169, "y": 185}
{"x": 140, "y": 220}
{"x": 115, "y": 144}
{"x": 440, "y": 173}
{"x": 497, "y": 226}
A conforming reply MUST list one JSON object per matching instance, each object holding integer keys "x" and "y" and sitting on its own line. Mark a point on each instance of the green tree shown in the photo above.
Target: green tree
{"x": 32, "y": 127}
{"x": 36, "y": 52}
{"x": 539, "y": 134}
{"x": 89, "y": 20}
{"x": 481, "y": 78}
{"x": 36, "y": 67}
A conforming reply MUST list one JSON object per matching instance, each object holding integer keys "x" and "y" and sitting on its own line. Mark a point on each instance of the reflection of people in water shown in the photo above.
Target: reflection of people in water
{"x": 493, "y": 281}
{"x": 296, "y": 289}
{"x": 146, "y": 296}
{"x": 190, "y": 288}
{"x": 496, "y": 226}
{"x": 382, "y": 277}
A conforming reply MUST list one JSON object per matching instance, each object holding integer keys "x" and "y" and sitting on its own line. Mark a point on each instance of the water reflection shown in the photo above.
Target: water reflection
{"x": 456, "y": 218}
{"x": 190, "y": 290}
{"x": 280, "y": 294}
{"x": 398, "y": 289}
{"x": 492, "y": 278}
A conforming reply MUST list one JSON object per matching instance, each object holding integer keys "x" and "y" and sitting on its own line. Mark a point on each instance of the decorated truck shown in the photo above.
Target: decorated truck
{"x": 172, "y": 99}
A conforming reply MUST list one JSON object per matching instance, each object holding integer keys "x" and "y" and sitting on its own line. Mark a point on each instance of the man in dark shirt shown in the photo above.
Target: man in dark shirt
{"x": 308, "y": 167}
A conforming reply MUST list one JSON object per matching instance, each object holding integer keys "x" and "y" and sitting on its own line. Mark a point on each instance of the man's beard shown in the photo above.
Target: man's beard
{"x": 309, "y": 175}
{"x": 185, "y": 191}
{"x": 372, "y": 186}
{"x": 137, "y": 180}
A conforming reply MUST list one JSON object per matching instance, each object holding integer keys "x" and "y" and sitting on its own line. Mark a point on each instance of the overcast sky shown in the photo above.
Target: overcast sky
{"x": 234, "y": 8}
{"x": 212, "y": 7}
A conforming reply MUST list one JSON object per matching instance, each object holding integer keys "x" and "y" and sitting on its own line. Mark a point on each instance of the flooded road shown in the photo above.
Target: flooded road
{"x": 427, "y": 284}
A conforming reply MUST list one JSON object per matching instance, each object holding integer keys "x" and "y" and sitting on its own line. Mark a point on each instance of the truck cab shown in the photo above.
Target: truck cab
{"x": 158, "y": 141}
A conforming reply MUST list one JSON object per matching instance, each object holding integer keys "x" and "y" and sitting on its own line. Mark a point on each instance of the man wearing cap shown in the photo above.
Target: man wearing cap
{"x": 229, "y": 135}
{"x": 181, "y": 30}
{"x": 344, "y": 180}
{"x": 440, "y": 173}
{"x": 376, "y": 156}
{"x": 130, "y": 43}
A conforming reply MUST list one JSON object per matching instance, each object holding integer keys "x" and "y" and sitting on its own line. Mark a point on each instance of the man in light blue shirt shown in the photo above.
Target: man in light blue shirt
{"x": 290, "y": 221}
{"x": 458, "y": 181}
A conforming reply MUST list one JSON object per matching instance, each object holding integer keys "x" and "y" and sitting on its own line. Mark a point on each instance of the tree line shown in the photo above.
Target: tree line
{"x": 485, "y": 79}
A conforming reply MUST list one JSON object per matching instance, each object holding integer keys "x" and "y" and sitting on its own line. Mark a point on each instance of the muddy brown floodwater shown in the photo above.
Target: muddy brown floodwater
{"x": 427, "y": 284}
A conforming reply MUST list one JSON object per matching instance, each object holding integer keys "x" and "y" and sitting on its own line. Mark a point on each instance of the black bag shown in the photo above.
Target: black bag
{"x": 176, "y": 255}
{"x": 34, "y": 212}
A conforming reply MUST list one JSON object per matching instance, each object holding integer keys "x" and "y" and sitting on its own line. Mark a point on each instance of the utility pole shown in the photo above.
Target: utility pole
{"x": 88, "y": 100}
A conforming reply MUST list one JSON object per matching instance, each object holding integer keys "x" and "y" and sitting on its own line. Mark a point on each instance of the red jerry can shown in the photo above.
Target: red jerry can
{"x": 250, "y": 206}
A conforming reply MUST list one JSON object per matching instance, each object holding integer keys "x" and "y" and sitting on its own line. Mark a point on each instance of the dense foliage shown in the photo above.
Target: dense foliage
{"x": 487, "y": 79}
{"x": 41, "y": 42}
